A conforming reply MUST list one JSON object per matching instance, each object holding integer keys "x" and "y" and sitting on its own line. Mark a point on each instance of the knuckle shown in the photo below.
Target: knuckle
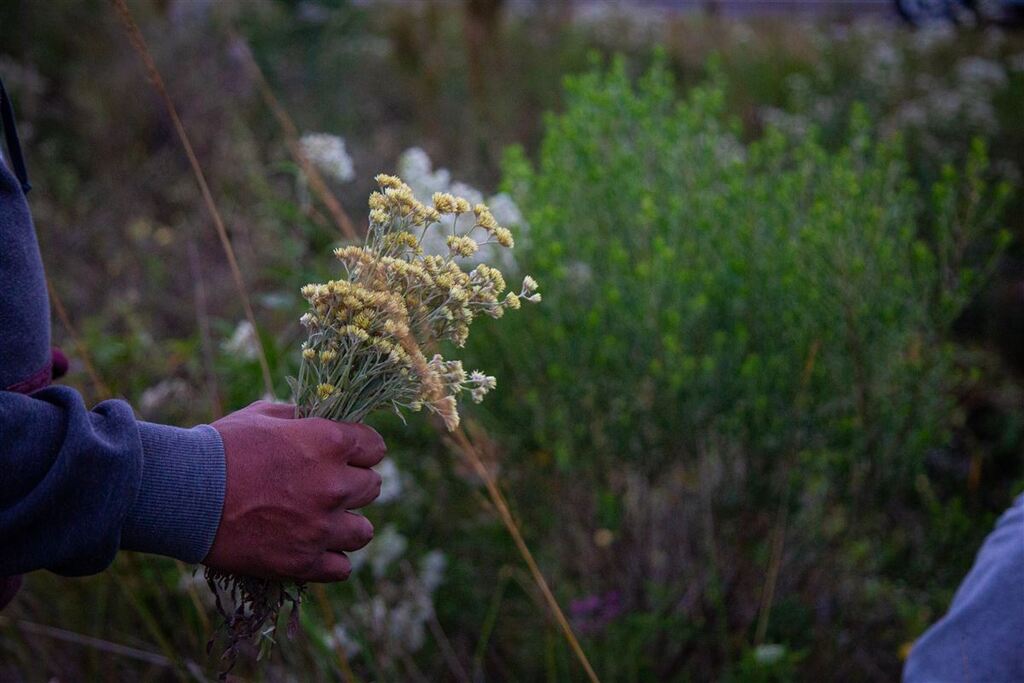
{"x": 334, "y": 438}
{"x": 308, "y": 458}
{"x": 312, "y": 534}
{"x": 322, "y": 529}
{"x": 364, "y": 439}
{"x": 337, "y": 496}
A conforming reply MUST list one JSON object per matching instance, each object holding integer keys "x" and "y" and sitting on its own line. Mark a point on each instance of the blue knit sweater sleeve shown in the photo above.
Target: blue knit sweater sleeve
{"x": 78, "y": 484}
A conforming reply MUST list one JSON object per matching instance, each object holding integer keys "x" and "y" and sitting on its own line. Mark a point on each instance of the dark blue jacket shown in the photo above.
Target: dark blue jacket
{"x": 76, "y": 484}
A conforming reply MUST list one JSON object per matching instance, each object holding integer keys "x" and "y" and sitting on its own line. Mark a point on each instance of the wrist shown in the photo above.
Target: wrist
{"x": 178, "y": 506}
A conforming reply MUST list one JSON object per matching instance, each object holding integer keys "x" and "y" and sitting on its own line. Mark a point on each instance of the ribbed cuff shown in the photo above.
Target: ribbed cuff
{"x": 178, "y": 507}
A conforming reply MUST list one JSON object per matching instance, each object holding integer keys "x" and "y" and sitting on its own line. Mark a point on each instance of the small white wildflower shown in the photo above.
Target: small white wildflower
{"x": 195, "y": 582}
{"x": 391, "y": 481}
{"x": 163, "y": 395}
{"x": 416, "y": 169}
{"x": 479, "y": 378}
{"x": 769, "y": 653}
{"x": 978, "y": 73}
{"x": 432, "y": 566}
{"x": 243, "y": 342}
{"x": 933, "y": 36}
{"x": 480, "y": 384}
{"x": 328, "y": 154}
{"x": 339, "y": 637}
{"x": 580, "y": 273}
{"x": 407, "y": 620}
{"x": 467, "y": 192}
{"x": 388, "y": 545}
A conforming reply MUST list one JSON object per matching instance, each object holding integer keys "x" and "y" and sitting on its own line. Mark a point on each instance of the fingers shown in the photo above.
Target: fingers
{"x": 351, "y": 442}
{"x": 368, "y": 449}
{"x": 359, "y": 487}
{"x": 330, "y": 568}
{"x": 349, "y": 532}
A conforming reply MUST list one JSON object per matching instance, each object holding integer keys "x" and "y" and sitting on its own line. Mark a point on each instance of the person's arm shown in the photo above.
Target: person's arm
{"x": 76, "y": 485}
{"x": 981, "y": 637}
{"x": 257, "y": 493}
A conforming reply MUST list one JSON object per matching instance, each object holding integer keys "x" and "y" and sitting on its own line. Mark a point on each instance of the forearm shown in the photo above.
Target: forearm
{"x": 77, "y": 485}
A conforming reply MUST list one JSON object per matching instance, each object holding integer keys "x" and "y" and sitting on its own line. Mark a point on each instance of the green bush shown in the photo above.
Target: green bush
{"x": 768, "y": 324}
{"x": 696, "y": 288}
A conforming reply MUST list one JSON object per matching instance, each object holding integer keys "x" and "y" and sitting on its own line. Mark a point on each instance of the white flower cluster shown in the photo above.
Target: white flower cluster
{"x": 388, "y": 545}
{"x": 391, "y": 618}
{"x": 328, "y": 154}
{"x": 965, "y": 101}
{"x": 981, "y": 75}
{"x": 164, "y": 396}
{"x": 392, "y": 482}
{"x": 906, "y": 78}
{"x": 623, "y": 22}
{"x": 416, "y": 168}
{"x": 243, "y": 342}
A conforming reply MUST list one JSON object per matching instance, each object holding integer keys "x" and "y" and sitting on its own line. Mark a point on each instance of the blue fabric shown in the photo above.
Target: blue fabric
{"x": 24, "y": 305}
{"x": 178, "y": 507}
{"x": 78, "y": 484}
{"x": 981, "y": 637}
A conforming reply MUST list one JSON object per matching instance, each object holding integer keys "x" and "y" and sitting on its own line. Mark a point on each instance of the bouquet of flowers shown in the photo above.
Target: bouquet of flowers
{"x": 367, "y": 330}
{"x": 366, "y": 335}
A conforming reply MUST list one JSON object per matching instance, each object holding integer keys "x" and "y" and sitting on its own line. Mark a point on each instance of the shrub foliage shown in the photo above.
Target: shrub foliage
{"x": 769, "y": 321}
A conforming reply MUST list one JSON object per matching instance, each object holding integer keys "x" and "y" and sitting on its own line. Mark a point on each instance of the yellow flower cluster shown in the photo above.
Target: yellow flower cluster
{"x": 461, "y": 245}
{"x": 448, "y": 204}
{"x": 366, "y": 330}
{"x": 398, "y": 241}
{"x": 485, "y": 220}
{"x": 398, "y": 200}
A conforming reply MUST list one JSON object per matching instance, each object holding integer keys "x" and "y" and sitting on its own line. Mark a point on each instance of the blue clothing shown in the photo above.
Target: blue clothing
{"x": 981, "y": 637}
{"x": 78, "y": 484}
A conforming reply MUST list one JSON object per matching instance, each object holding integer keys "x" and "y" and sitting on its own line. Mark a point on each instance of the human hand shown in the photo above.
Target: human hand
{"x": 290, "y": 485}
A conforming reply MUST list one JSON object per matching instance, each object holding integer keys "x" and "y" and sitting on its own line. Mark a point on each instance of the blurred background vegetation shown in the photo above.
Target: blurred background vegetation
{"x": 759, "y": 426}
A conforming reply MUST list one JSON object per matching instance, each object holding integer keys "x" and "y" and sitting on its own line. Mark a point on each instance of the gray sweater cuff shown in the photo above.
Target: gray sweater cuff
{"x": 178, "y": 506}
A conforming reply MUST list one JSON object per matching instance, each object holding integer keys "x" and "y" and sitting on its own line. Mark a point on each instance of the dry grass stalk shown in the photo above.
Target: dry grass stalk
{"x": 139, "y": 43}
